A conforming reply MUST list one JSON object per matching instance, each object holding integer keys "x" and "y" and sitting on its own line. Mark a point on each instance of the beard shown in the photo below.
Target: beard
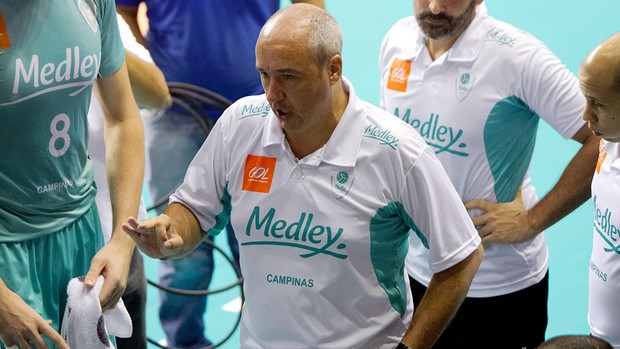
{"x": 441, "y": 26}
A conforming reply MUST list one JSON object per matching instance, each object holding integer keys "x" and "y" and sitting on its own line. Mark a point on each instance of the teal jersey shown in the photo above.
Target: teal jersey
{"x": 51, "y": 53}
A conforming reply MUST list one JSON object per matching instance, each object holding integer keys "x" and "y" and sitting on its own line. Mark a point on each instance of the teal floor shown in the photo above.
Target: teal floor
{"x": 571, "y": 28}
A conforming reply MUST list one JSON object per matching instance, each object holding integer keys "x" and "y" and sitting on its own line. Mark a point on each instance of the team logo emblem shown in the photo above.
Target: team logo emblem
{"x": 341, "y": 183}
{"x": 342, "y": 177}
{"x": 89, "y": 10}
{"x": 258, "y": 173}
{"x": 464, "y": 84}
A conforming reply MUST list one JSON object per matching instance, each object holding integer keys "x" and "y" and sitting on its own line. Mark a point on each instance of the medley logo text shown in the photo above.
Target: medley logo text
{"x": 302, "y": 233}
{"x": 441, "y": 137}
{"x": 250, "y": 110}
{"x": 75, "y": 71}
{"x": 385, "y": 137}
{"x": 605, "y": 228}
{"x": 501, "y": 37}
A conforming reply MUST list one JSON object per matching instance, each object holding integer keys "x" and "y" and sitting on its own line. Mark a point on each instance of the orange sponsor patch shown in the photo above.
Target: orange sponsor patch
{"x": 601, "y": 156}
{"x": 258, "y": 173}
{"x": 5, "y": 41}
{"x": 399, "y": 74}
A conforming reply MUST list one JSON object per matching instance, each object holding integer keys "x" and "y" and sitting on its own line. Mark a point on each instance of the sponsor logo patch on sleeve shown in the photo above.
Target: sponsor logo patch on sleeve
{"x": 601, "y": 156}
{"x": 399, "y": 74}
{"x": 5, "y": 41}
{"x": 258, "y": 173}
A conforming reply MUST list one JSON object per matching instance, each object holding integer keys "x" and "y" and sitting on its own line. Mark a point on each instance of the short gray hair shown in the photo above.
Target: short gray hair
{"x": 324, "y": 38}
{"x": 575, "y": 342}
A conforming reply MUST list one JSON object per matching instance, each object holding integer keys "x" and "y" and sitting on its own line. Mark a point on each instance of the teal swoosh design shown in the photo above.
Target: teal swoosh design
{"x": 509, "y": 139}
{"x": 389, "y": 234}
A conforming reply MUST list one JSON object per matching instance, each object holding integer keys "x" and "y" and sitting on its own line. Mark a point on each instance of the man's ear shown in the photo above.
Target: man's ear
{"x": 335, "y": 68}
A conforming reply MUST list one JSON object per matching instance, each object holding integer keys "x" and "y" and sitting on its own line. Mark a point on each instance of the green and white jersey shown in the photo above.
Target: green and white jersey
{"x": 478, "y": 107}
{"x": 323, "y": 239}
{"x": 51, "y": 53}
{"x": 604, "y": 295}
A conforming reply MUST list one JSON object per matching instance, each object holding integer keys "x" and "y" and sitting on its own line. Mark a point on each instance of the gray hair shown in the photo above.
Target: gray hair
{"x": 575, "y": 342}
{"x": 325, "y": 37}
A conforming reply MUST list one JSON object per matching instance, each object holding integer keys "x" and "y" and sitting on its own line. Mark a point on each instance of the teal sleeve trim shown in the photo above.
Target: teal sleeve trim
{"x": 112, "y": 49}
{"x": 389, "y": 234}
{"x": 509, "y": 139}
{"x": 222, "y": 219}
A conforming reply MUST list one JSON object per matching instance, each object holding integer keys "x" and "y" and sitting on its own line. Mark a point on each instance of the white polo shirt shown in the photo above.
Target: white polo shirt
{"x": 604, "y": 295}
{"x": 323, "y": 239}
{"x": 478, "y": 107}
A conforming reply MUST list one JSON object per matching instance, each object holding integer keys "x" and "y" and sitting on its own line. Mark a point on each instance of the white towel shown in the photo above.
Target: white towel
{"x": 84, "y": 326}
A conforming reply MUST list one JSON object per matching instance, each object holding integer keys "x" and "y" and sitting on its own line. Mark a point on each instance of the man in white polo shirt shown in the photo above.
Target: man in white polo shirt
{"x": 475, "y": 88}
{"x": 322, "y": 190}
{"x": 599, "y": 78}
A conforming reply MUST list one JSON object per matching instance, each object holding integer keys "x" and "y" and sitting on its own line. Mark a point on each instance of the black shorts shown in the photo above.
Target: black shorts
{"x": 513, "y": 321}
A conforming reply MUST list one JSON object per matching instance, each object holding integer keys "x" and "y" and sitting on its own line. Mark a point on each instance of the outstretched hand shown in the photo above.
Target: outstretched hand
{"x": 503, "y": 223}
{"x": 155, "y": 237}
{"x": 21, "y": 325}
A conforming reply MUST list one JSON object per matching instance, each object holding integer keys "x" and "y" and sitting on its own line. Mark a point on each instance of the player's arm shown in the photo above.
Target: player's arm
{"x": 510, "y": 222}
{"x": 147, "y": 83}
{"x": 454, "y": 247}
{"x": 124, "y": 139}
{"x": 130, "y": 15}
{"x": 552, "y": 91}
{"x": 572, "y": 189}
{"x": 441, "y": 301}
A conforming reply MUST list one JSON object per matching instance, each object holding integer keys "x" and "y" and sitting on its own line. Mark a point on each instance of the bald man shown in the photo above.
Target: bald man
{"x": 322, "y": 190}
{"x": 599, "y": 79}
{"x": 575, "y": 342}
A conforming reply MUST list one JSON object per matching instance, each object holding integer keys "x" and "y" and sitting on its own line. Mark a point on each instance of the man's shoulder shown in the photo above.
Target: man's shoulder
{"x": 245, "y": 117}
{"x": 250, "y": 108}
{"x": 502, "y": 36}
{"x": 386, "y": 129}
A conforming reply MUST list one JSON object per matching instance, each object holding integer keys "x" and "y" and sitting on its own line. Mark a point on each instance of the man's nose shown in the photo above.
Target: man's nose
{"x": 274, "y": 92}
{"x": 437, "y": 6}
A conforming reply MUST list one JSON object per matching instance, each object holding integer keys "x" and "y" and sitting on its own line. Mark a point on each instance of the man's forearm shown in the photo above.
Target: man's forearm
{"x": 147, "y": 83}
{"x": 571, "y": 190}
{"x": 125, "y": 169}
{"x": 441, "y": 301}
{"x": 124, "y": 142}
{"x": 186, "y": 225}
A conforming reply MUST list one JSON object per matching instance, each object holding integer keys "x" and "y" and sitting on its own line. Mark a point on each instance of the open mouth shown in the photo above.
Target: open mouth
{"x": 281, "y": 113}
{"x": 595, "y": 131}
